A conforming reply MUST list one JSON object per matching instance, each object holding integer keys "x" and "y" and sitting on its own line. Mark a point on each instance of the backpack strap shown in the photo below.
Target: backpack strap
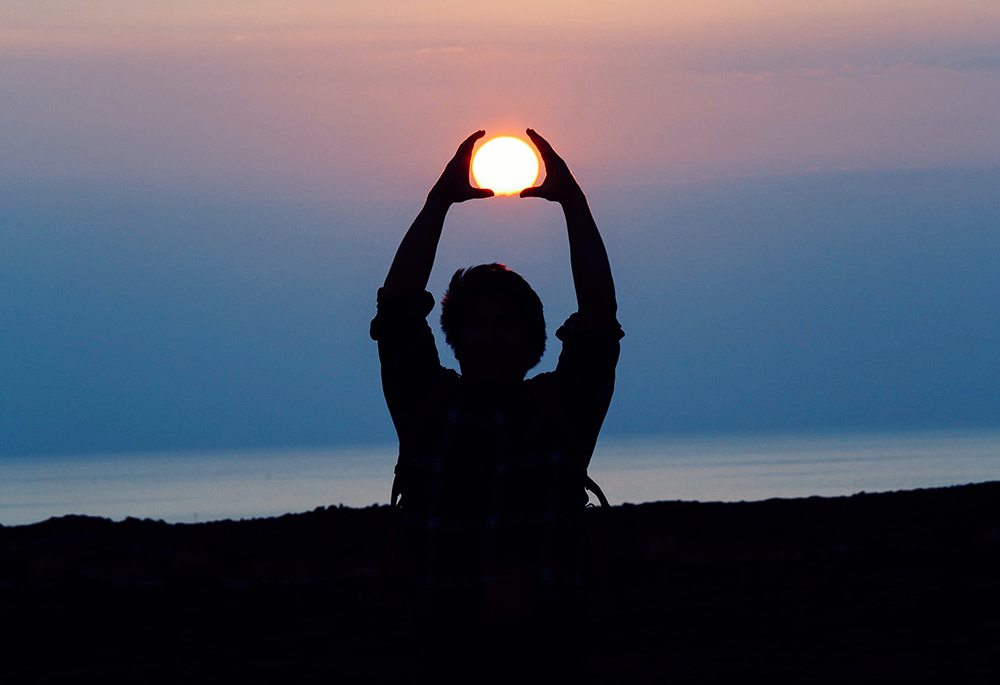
{"x": 591, "y": 485}
{"x": 551, "y": 404}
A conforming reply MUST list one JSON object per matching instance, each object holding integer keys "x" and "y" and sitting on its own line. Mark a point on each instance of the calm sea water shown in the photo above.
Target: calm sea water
{"x": 205, "y": 486}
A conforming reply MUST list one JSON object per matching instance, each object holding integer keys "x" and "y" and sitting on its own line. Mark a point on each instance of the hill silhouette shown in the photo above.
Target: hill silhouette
{"x": 895, "y": 585}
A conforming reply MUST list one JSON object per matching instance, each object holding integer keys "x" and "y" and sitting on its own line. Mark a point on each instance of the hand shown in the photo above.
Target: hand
{"x": 559, "y": 184}
{"x": 454, "y": 186}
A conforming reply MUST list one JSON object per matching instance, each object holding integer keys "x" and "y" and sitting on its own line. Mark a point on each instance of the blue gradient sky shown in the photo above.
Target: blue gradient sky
{"x": 198, "y": 201}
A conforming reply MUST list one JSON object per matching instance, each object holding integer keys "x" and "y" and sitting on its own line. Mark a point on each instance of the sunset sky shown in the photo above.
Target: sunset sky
{"x": 198, "y": 199}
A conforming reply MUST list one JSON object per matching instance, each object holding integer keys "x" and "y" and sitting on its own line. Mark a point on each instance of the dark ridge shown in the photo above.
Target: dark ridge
{"x": 895, "y": 586}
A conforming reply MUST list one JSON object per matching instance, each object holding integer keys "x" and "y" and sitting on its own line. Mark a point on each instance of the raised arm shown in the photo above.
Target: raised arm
{"x": 595, "y": 288}
{"x": 411, "y": 267}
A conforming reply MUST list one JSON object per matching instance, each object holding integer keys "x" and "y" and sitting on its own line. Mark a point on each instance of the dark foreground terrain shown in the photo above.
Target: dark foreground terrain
{"x": 896, "y": 587}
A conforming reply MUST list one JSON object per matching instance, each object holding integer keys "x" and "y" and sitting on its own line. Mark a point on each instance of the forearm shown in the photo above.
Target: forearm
{"x": 411, "y": 267}
{"x": 595, "y": 287}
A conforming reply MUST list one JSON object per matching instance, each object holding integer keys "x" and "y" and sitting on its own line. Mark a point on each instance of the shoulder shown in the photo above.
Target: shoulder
{"x": 580, "y": 327}
{"x": 396, "y": 311}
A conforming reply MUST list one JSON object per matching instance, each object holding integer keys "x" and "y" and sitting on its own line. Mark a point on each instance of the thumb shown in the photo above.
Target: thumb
{"x": 533, "y": 191}
{"x": 482, "y": 192}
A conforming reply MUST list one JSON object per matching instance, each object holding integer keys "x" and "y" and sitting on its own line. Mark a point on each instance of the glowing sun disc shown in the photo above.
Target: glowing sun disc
{"x": 506, "y": 165}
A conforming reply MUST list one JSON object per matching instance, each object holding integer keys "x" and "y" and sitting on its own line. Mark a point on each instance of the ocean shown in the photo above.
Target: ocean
{"x": 205, "y": 486}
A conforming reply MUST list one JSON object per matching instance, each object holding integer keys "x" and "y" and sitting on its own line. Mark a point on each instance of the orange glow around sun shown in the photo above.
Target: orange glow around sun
{"x": 506, "y": 165}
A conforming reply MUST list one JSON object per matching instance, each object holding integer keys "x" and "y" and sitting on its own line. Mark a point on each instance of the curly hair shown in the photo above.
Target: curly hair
{"x": 493, "y": 279}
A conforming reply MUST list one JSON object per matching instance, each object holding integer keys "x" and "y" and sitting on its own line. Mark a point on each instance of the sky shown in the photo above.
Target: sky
{"x": 198, "y": 200}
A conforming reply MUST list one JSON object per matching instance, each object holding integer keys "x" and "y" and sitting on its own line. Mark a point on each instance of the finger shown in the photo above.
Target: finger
{"x": 470, "y": 142}
{"x": 464, "y": 154}
{"x": 540, "y": 143}
{"x": 474, "y": 194}
{"x": 474, "y": 137}
{"x": 552, "y": 161}
{"x": 533, "y": 191}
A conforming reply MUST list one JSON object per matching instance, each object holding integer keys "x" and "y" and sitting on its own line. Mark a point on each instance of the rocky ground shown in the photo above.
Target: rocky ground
{"x": 871, "y": 588}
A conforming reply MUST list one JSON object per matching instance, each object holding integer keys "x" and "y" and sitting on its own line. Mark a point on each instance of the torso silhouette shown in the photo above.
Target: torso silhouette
{"x": 492, "y": 475}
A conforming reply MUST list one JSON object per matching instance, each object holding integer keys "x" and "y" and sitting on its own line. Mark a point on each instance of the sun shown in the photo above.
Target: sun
{"x": 506, "y": 165}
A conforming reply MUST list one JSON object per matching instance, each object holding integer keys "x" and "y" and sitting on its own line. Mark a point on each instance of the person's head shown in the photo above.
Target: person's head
{"x": 493, "y": 321}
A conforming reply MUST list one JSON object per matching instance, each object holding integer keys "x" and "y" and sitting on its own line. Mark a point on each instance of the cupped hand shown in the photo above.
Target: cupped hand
{"x": 559, "y": 184}
{"x": 454, "y": 185}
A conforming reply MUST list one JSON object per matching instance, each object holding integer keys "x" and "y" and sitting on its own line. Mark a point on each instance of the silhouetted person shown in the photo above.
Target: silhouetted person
{"x": 492, "y": 466}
